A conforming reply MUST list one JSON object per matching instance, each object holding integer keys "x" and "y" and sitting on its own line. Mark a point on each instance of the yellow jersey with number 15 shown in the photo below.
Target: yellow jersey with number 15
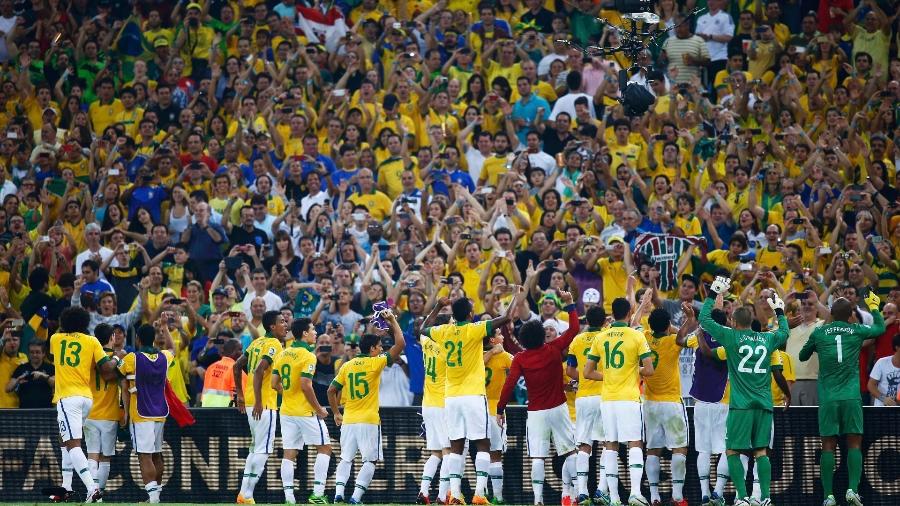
{"x": 496, "y": 370}
{"x": 359, "y": 380}
{"x": 665, "y": 384}
{"x": 435, "y": 374}
{"x": 75, "y": 356}
{"x": 463, "y": 352}
{"x": 267, "y": 349}
{"x": 618, "y": 352}
{"x": 578, "y": 352}
{"x": 292, "y": 365}
{"x": 106, "y": 396}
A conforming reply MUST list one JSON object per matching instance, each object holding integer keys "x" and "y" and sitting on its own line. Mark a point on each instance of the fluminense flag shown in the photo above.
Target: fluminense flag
{"x": 322, "y": 27}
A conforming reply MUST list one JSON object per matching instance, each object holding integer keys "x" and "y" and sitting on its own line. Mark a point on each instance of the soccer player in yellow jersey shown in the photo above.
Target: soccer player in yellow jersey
{"x": 588, "y": 404}
{"x": 146, "y": 407}
{"x": 436, "y": 439}
{"x": 75, "y": 355}
{"x": 102, "y": 423}
{"x": 360, "y": 424}
{"x": 258, "y": 360}
{"x": 465, "y": 402}
{"x": 497, "y": 362}
{"x": 623, "y": 356}
{"x": 301, "y": 414}
{"x": 665, "y": 419}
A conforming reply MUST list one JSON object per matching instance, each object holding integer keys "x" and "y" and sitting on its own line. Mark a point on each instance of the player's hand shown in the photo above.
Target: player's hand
{"x": 239, "y": 404}
{"x": 257, "y": 409}
{"x": 501, "y": 420}
{"x": 787, "y": 401}
{"x": 775, "y": 302}
{"x": 873, "y": 301}
{"x": 721, "y": 285}
{"x": 338, "y": 418}
{"x": 322, "y": 413}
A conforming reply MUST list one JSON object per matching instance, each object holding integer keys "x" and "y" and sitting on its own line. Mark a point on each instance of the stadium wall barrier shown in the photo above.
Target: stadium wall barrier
{"x": 204, "y": 462}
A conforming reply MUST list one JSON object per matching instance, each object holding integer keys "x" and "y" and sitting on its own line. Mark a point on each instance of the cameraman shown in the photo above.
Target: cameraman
{"x": 33, "y": 381}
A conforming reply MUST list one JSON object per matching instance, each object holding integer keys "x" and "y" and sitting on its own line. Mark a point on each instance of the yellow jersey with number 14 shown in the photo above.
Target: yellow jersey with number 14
{"x": 106, "y": 396}
{"x": 578, "y": 352}
{"x": 361, "y": 378}
{"x": 665, "y": 384}
{"x": 291, "y": 366}
{"x": 618, "y": 352}
{"x": 75, "y": 356}
{"x": 267, "y": 349}
{"x": 435, "y": 374}
{"x": 496, "y": 370}
{"x": 463, "y": 352}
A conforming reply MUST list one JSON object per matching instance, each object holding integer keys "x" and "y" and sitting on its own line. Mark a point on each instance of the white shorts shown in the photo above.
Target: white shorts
{"x": 298, "y": 431}
{"x": 622, "y": 421}
{"x": 436, "y": 438}
{"x": 147, "y": 437}
{"x": 497, "y": 435}
{"x": 262, "y": 431}
{"x": 467, "y": 417}
{"x": 71, "y": 413}
{"x": 709, "y": 426}
{"x": 665, "y": 425}
{"x": 365, "y": 437}
{"x": 588, "y": 419}
{"x": 100, "y": 436}
{"x": 547, "y": 424}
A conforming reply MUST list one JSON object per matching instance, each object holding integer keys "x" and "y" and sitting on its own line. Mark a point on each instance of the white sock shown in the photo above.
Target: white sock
{"x": 482, "y": 463}
{"x": 602, "y": 485}
{"x": 722, "y": 475}
{"x": 363, "y": 478}
{"x": 582, "y": 468}
{"x": 431, "y": 467}
{"x": 444, "y": 485}
{"x": 636, "y": 469}
{"x": 537, "y": 480}
{"x": 320, "y": 473}
{"x": 679, "y": 470}
{"x": 341, "y": 476}
{"x": 66, "y": 469}
{"x": 496, "y": 473}
{"x": 757, "y": 492}
{"x": 259, "y": 467}
{"x": 95, "y": 469}
{"x": 457, "y": 466}
{"x": 245, "y": 480}
{"x": 103, "y": 474}
{"x": 80, "y": 465}
{"x": 152, "y": 489}
{"x": 569, "y": 472}
{"x": 703, "y": 472}
{"x": 287, "y": 480}
{"x": 652, "y": 476}
{"x": 611, "y": 463}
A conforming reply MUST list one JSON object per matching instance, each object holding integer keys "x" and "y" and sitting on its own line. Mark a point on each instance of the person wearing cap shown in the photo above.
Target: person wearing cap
{"x": 194, "y": 40}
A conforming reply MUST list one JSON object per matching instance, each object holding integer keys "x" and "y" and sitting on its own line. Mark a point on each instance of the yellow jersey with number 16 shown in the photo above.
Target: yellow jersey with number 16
{"x": 578, "y": 352}
{"x": 292, "y": 365}
{"x": 463, "y": 352}
{"x": 267, "y": 349}
{"x": 75, "y": 355}
{"x": 618, "y": 352}
{"x": 435, "y": 374}
{"x": 359, "y": 381}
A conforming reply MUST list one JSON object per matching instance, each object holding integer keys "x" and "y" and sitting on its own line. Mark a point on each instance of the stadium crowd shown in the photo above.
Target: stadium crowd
{"x": 203, "y": 163}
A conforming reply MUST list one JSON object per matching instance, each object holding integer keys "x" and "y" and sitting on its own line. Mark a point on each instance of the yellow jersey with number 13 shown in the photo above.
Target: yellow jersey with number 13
{"x": 75, "y": 356}
{"x": 463, "y": 351}
{"x": 267, "y": 349}
{"x": 359, "y": 381}
{"x": 496, "y": 370}
{"x": 618, "y": 352}
{"x": 435, "y": 374}
{"x": 665, "y": 384}
{"x": 293, "y": 364}
{"x": 578, "y": 352}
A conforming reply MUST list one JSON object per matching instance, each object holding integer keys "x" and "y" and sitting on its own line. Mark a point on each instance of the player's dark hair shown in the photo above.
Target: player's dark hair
{"x": 39, "y": 278}
{"x": 841, "y": 309}
{"x": 462, "y": 309}
{"x": 620, "y": 308}
{"x": 531, "y": 334}
{"x": 74, "y": 319}
{"x": 146, "y": 335}
{"x": 659, "y": 320}
{"x": 269, "y": 318}
{"x": 103, "y": 331}
{"x": 299, "y": 326}
{"x": 442, "y": 319}
{"x": 232, "y": 347}
{"x": 367, "y": 342}
{"x": 595, "y": 316}
{"x": 742, "y": 317}
{"x": 719, "y": 316}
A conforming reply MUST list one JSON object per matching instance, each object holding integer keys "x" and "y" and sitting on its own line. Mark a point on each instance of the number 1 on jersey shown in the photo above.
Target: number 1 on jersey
{"x": 840, "y": 349}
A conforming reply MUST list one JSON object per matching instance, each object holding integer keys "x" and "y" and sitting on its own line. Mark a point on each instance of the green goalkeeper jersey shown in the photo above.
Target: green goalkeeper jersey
{"x": 838, "y": 344}
{"x": 749, "y": 358}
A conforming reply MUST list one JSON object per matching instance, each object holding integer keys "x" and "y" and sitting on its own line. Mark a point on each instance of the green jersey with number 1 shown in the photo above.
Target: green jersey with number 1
{"x": 838, "y": 344}
{"x": 749, "y": 356}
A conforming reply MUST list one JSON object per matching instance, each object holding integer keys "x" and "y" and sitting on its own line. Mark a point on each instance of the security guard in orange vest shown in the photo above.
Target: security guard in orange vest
{"x": 218, "y": 382}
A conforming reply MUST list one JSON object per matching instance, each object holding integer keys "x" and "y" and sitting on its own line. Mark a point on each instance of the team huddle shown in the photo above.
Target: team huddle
{"x": 625, "y": 377}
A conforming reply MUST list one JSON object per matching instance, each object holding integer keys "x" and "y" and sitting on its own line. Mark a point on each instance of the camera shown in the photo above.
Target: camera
{"x": 510, "y": 202}
{"x": 193, "y": 22}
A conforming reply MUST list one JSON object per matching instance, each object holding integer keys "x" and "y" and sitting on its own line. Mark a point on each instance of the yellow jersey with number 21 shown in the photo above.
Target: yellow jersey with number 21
{"x": 75, "y": 355}
{"x": 618, "y": 352}
{"x": 359, "y": 381}
{"x": 462, "y": 346}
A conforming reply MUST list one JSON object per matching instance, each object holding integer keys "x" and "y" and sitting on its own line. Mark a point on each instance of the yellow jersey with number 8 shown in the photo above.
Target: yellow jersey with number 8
{"x": 292, "y": 365}
{"x": 106, "y": 396}
{"x": 618, "y": 352}
{"x": 267, "y": 349}
{"x": 463, "y": 352}
{"x": 435, "y": 374}
{"x": 578, "y": 352}
{"x": 496, "y": 370}
{"x": 75, "y": 356}
{"x": 359, "y": 380}
{"x": 665, "y": 384}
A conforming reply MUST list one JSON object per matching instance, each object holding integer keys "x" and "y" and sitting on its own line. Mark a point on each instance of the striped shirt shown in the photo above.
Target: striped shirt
{"x": 676, "y": 49}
